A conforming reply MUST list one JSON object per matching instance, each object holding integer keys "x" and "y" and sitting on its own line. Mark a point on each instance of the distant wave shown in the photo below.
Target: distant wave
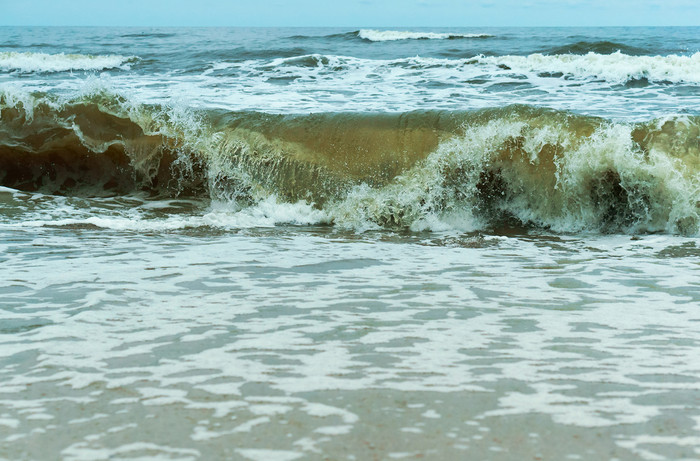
{"x": 600, "y": 47}
{"x": 393, "y": 35}
{"x": 343, "y": 36}
{"x": 613, "y": 68}
{"x": 42, "y": 62}
{"x": 150, "y": 35}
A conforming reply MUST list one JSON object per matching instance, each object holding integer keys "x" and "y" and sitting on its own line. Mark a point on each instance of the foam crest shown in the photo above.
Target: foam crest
{"x": 613, "y": 68}
{"x": 42, "y": 62}
{"x": 393, "y": 35}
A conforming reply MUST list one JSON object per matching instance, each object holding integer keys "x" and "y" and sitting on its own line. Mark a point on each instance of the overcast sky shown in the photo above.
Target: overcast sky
{"x": 351, "y": 13}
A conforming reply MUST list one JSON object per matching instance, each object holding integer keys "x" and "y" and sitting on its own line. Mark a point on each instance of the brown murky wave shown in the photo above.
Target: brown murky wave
{"x": 519, "y": 164}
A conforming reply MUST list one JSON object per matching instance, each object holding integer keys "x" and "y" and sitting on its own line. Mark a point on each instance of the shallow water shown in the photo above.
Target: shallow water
{"x": 308, "y": 342}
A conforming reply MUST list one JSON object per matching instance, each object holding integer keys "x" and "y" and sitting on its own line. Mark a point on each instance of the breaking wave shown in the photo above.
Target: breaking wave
{"x": 41, "y": 62}
{"x": 614, "y": 68}
{"x": 517, "y": 165}
{"x": 393, "y": 35}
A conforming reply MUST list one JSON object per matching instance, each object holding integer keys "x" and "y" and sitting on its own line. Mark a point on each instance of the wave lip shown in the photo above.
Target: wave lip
{"x": 27, "y": 62}
{"x": 393, "y": 35}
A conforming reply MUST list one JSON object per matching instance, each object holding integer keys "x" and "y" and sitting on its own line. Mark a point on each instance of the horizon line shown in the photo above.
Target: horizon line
{"x": 578, "y": 26}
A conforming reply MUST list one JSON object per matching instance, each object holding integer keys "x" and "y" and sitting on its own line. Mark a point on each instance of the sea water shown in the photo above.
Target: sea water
{"x": 277, "y": 244}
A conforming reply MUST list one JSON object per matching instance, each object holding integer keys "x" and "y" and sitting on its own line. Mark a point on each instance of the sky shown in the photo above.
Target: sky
{"x": 350, "y": 13}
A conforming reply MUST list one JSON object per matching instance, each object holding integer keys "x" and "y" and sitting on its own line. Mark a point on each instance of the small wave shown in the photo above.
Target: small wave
{"x": 393, "y": 35}
{"x": 309, "y": 60}
{"x": 150, "y": 35}
{"x": 42, "y": 62}
{"x": 241, "y": 54}
{"x": 600, "y": 47}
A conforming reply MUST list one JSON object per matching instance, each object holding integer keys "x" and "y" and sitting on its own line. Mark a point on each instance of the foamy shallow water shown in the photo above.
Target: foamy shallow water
{"x": 311, "y": 343}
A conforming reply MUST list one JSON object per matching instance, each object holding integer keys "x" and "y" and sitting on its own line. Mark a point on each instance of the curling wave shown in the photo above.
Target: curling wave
{"x": 41, "y": 62}
{"x": 516, "y": 165}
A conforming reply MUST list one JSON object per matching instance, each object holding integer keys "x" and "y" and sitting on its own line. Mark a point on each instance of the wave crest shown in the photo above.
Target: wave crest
{"x": 41, "y": 62}
{"x": 599, "y": 47}
{"x": 614, "y": 68}
{"x": 392, "y": 35}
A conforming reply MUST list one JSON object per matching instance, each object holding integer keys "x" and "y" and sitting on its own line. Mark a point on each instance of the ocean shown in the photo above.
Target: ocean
{"x": 272, "y": 244}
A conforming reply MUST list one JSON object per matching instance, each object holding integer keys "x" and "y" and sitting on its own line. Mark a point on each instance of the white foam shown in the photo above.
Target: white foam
{"x": 269, "y": 212}
{"x": 323, "y": 411}
{"x": 330, "y": 83}
{"x": 268, "y": 455}
{"x": 269, "y": 409}
{"x": 11, "y": 423}
{"x": 86, "y": 451}
{"x": 334, "y": 430}
{"x": 249, "y": 425}
{"x": 393, "y": 35}
{"x": 430, "y": 353}
{"x": 335, "y": 83}
{"x": 613, "y": 68}
{"x": 61, "y": 62}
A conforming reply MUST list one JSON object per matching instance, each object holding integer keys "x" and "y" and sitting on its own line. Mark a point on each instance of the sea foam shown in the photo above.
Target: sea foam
{"x": 43, "y": 62}
{"x": 613, "y": 68}
{"x": 392, "y": 35}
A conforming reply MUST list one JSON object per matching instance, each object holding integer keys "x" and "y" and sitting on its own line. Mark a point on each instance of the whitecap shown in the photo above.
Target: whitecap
{"x": 43, "y": 62}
